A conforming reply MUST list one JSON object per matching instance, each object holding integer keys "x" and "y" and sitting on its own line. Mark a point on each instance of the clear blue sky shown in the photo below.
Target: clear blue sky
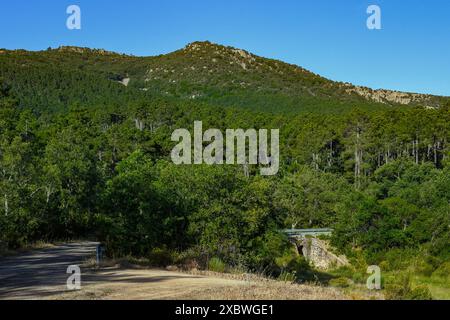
{"x": 328, "y": 37}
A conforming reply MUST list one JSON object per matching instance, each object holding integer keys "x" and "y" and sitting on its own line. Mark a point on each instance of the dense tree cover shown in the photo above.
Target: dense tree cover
{"x": 380, "y": 179}
{"x": 50, "y": 82}
{"x": 54, "y": 79}
{"x": 83, "y": 155}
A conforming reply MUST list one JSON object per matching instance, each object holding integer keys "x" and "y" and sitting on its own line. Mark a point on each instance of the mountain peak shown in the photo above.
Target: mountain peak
{"x": 217, "y": 51}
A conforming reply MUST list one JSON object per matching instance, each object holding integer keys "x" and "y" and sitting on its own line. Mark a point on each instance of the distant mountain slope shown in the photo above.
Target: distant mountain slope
{"x": 233, "y": 76}
{"x": 203, "y": 71}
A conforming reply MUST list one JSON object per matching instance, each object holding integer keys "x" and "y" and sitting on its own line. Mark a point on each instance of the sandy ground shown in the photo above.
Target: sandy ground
{"x": 139, "y": 284}
{"x": 41, "y": 274}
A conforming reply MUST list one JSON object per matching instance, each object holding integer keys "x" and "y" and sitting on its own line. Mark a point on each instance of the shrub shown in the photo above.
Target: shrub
{"x": 192, "y": 258}
{"x": 283, "y": 261}
{"x": 400, "y": 288}
{"x": 420, "y": 293}
{"x": 299, "y": 265}
{"x": 443, "y": 271}
{"x": 287, "y": 276}
{"x": 359, "y": 277}
{"x": 160, "y": 257}
{"x": 397, "y": 259}
{"x": 216, "y": 265}
{"x": 423, "y": 267}
{"x": 340, "y": 282}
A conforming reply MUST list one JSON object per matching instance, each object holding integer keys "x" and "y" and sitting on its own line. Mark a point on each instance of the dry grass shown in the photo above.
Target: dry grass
{"x": 259, "y": 287}
{"x": 140, "y": 284}
{"x": 120, "y": 279}
{"x": 110, "y": 283}
{"x": 272, "y": 290}
{"x": 29, "y": 247}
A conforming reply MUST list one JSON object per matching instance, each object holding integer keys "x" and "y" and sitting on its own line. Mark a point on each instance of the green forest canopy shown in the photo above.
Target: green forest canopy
{"x": 74, "y": 163}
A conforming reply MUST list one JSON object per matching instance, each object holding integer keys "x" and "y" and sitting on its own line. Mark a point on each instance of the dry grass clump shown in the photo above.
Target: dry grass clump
{"x": 270, "y": 290}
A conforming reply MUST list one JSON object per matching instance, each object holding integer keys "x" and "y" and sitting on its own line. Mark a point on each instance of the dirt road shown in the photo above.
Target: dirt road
{"x": 42, "y": 274}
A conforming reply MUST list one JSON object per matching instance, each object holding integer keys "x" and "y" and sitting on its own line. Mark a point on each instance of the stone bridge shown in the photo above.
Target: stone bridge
{"x": 316, "y": 251}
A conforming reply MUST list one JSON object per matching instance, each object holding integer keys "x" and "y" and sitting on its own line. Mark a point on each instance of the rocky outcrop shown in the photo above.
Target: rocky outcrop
{"x": 82, "y": 50}
{"x": 389, "y": 96}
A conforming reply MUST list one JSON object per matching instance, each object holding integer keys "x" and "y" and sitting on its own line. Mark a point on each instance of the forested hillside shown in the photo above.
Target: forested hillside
{"x": 84, "y": 155}
{"x": 54, "y": 79}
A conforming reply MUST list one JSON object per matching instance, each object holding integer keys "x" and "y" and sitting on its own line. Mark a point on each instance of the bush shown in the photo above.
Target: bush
{"x": 299, "y": 265}
{"x": 340, "y": 282}
{"x": 423, "y": 267}
{"x": 216, "y": 265}
{"x": 287, "y": 276}
{"x": 443, "y": 271}
{"x": 400, "y": 288}
{"x": 160, "y": 257}
{"x": 192, "y": 258}
{"x": 420, "y": 293}
{"x": 395, "y": 259}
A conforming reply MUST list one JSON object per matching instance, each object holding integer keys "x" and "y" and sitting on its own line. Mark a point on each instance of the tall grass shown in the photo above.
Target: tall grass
{"x": 216, "y": 265}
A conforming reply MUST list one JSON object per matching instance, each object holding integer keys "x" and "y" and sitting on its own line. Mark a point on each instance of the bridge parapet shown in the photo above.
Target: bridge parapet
{"x": 303, "y": 233}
